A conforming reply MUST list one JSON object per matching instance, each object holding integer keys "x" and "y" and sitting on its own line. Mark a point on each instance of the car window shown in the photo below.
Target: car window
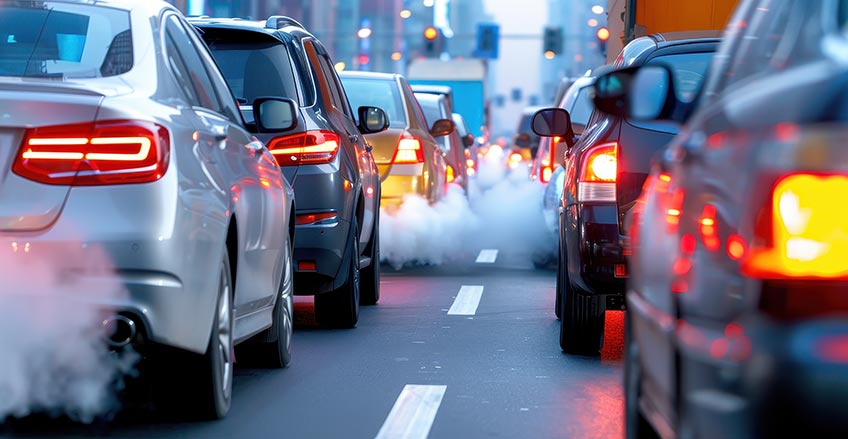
{"x": 255, "y": 69}
{"x": 582, "y": 108}
{"x": 60, "y": 40}
{"x": 307, "y": 82}
{"x": 336, "y": 86}
{"x": 433, "y": 111}
{"x": 377, "y": 93}
{"x": 179, "y": 45}
{"x": 688, "y": 71}
{"x": 416, "y": 106}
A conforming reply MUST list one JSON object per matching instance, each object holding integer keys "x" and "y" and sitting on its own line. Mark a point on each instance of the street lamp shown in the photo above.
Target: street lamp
{"x": 364, "y": 33}
{"x": 592, "y": 22}
{"x": 406, "y": 13}
{"x": 598, "y": 9}
{"x": 550, "y": 54}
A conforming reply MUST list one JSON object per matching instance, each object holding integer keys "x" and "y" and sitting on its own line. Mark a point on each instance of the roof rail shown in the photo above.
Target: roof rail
{"x": 280, "y": 21}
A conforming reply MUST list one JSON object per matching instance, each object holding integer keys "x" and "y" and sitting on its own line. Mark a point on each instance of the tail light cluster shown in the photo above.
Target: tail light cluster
{"x": 801, "y": 232}
{"x": 408, "y": 151}
{"x": 450, "y": 174}
{"x": 548, "y": 163}
{"x": 598, "y": 172}
{"x": 94, "y": 153}
{"x": 308, "y": 148}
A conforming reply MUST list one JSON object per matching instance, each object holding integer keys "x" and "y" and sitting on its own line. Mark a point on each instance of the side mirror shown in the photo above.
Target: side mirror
{"x": 652, "y": 92}
{"x": 552, "y": 122}
{"x": 274, "y": 114}
{"x": 372, "y": 120}
{"x": 610, "y": 92}
{"x": 468, "y": 140}
{"x": 442, "y": 127}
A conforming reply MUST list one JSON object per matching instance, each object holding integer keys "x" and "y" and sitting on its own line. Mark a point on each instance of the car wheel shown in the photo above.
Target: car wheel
{"x": 559, "y": 283}
{"x": 581, "y": 321}
{"x": 370, "y": 282}
{"x": 635, "y": 424}
{"x": 216, "y": 382}
{"x": 272, "y": 348}
{"x": 340, "y": 308}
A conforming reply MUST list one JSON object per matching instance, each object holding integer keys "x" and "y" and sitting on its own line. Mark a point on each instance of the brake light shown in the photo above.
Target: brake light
{"x": 598, "y": 172}
{"x": 309, "y": 148}
{"x": 94, "y": 153}
{"x": 803, "y": 234}
{"x": 450, "y": 174}
{"x": 408, "y": 151}
{"x": 316, "y": 218}
{"x": 674, "y": 210}
{"x": 547, "y": 172}
{"x": 709, "y": 229}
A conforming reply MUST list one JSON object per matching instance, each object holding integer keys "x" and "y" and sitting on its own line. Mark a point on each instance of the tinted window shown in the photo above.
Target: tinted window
{"x": 255, "y": 69}
{"x": 63, "y": 40}
{"x": 177, "y": 40}
{"x": 582, "y": 108}
{"x": 689, "y": 71}
{"x": 377, "y": 93}
{"x": 433, "y": 112}
{"x": 339, "y": 97}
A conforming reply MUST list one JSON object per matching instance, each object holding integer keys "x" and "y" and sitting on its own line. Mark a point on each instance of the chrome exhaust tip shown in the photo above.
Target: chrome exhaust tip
{"x": 119, "y": 330}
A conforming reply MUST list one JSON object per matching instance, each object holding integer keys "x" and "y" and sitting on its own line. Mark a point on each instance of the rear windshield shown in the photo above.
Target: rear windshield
{"x": 582, "y": 107}
{"x": 255, "y": 69}
{"x": 383, "y": 94}
{"x": 61, "y": 40}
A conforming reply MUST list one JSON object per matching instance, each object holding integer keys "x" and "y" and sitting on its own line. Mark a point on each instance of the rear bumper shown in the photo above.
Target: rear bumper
{"x": 325, "y": 247}
{"x": 395, "y": 187}
{"x": 775, "y": 380}
{"x": 595, "y": 249}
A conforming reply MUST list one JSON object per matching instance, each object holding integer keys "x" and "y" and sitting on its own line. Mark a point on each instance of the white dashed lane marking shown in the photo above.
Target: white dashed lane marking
{"x": 466, "y": 301}
{"x": 413, "y": 414}
{"x": 487, "y": 256}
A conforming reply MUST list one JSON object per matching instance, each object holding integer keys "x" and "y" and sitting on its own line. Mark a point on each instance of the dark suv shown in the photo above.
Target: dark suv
{"x": 737, "y": 323}
{"x": 604, "y": 172}
{"x": 321, "y": 152}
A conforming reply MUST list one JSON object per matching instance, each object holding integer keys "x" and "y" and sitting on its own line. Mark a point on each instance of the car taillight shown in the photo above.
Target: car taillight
{"x": 546, "y": 174}
{"x": 408, "y": 151}
{"x": 309, "y": 148}
{"x": 802, "y": 232}
{"x": 94, "y": 153}
{"x": 598, "y": 173}
{"x": 450, "y": 174}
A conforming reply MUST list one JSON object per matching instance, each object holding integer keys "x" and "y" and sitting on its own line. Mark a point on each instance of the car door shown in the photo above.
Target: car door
{"x": 244, "y": 171}
{"x": 353, "y": 142}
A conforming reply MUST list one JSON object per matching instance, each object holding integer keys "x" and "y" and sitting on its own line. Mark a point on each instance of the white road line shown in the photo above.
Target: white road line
{"x": 413, "y": 413}
{"x": 466, "y": 301}
{"x": 487, "y": 256}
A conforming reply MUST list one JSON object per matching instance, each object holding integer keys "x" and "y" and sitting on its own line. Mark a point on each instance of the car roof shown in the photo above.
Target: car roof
{"x": 126, "y": 5}
{"x": 274, "y": 24}
{"x": 369, "y": 75}
{"x": 429, "y": 97}
{"x": 430, "y": 88}
{"x": 675, "y": 38}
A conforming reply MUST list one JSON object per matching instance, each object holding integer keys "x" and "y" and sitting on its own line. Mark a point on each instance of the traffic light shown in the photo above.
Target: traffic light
{"x": 552, "y": 42}
{"x": 488, "y": 39}
{"x": 603, "y": 35}
{"x": 434, "y": 42}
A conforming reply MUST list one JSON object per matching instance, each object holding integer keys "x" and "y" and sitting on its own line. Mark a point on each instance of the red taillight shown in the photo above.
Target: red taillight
{"x": 801, "y": 233}
{"x": 309, "y": 148}
{"x": 546, "y": 174}
{"x": 408, "y": 151}
{"x": 709, "y": 228}
{"x": 94, "y": 153}
{"x": 598, "y": 172}
{"x": 315, "y": 218}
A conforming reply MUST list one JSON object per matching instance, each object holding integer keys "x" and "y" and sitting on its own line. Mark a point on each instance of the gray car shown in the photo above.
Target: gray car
{"x": 118, "y": 130}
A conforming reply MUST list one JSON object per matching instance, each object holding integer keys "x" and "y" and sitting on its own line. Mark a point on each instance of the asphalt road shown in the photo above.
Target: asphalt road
{"x": 428, "y": 358}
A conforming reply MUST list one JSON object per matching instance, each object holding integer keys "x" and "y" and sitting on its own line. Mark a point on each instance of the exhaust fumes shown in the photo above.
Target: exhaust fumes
{"x": 54, "y": 357}
{"x": 503, "y": 211}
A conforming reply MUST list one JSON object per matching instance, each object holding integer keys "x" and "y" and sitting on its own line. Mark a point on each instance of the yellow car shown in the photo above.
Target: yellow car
{"x": 407, "y": 155}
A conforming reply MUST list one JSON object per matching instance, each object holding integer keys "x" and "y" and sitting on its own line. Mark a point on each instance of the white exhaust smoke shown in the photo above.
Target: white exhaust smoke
{"x": 53, "y": 357}
{"x": 502, "y": 211}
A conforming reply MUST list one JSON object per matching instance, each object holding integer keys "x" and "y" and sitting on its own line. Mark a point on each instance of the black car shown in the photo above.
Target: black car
{"x": 737, "y": 323}
{"x": 605, "y": 170}
{"x": 321, "y": 152}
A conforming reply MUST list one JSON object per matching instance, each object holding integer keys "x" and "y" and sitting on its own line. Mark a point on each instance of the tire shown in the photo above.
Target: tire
{"x": 271, "y": 348}
{"x": 370, "y": 276}
{"x": 561, "y": 279}
{"x": 340, "y": 308}
{"x": 635, "y": 424}
{"x": 214, "y": 383}
{"x": 581, "y": 321}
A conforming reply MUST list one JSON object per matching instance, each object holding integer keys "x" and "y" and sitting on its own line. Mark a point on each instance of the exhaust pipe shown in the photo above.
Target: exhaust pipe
{"x": 120, "y": 331}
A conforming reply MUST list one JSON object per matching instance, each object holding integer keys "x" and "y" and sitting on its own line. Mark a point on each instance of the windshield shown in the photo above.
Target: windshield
{"x": 59, "y": 40}
{"x": 382, "y": 94}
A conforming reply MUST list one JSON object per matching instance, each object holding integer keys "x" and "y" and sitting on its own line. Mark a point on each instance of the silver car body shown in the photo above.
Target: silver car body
{"x": 221, "y": 191}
